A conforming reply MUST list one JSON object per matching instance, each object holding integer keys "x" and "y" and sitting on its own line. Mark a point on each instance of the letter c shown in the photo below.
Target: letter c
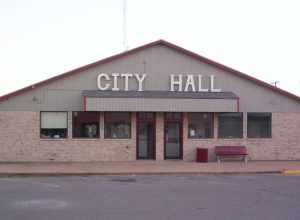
{"x": 102, "y": 75}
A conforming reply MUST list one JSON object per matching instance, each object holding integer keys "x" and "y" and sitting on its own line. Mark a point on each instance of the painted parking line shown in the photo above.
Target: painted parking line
{"x": 291, "y": 172}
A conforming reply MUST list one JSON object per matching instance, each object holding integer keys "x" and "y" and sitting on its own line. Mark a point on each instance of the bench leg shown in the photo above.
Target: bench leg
{"x": 246, "y": 159}
{"x": 218, "y": 159}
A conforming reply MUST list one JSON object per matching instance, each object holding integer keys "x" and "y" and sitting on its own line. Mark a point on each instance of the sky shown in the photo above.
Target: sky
{"x": 43, "y": 38}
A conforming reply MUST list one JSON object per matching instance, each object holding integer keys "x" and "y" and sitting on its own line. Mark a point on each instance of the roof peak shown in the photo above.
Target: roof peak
{"x": 145, "y": 46}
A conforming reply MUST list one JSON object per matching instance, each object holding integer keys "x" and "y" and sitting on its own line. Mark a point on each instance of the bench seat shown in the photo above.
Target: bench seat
{"x": 227, "y": 151}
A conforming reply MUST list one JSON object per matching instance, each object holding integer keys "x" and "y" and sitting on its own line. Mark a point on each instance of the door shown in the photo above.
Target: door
{"x": 173, "y": 136}
{"x": 145, "y": 136}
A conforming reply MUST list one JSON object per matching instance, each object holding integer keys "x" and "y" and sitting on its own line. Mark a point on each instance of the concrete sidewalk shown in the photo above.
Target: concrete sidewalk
{"x": 143, "y": 167}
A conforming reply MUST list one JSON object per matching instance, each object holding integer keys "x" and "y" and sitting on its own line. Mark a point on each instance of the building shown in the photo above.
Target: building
{"x": 158, "y": 101}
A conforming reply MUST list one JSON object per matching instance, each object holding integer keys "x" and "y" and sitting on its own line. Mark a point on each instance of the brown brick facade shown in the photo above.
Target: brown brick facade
{"x": 20, "y": 141}
{"x": 284, "y": 144}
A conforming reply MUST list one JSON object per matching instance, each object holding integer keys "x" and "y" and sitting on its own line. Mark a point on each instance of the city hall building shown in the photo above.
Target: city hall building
{"x": 158, "y": 102}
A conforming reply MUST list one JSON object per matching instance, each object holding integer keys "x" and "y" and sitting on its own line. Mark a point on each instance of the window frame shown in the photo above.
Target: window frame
{"x": 86, "y": 138}
{"x": 242, "y": 126}
{"x": 211, "y": 115}
{"x": 117, "y": 138}
{"x": 270, "y": 124}
{"x": 67, "y": 128}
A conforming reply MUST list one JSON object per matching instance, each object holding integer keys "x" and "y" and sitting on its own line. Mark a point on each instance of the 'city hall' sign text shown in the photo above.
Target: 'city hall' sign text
{"x": 179, "y": 82}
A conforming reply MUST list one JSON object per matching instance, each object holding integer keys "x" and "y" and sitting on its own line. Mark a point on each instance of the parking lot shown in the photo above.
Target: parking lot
{"x": 264, "y": 196}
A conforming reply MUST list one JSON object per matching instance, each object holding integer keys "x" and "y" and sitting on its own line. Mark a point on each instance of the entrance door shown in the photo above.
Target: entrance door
{"x": 145, "y": 135}
{"x": 173, "y": 136}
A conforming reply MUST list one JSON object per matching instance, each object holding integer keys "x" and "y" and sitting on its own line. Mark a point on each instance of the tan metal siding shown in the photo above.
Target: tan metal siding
{"x": 161, "y": 105}
{"x": 158, "y": 62}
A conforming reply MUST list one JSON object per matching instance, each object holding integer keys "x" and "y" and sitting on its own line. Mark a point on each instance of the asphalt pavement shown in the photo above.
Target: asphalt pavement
{"x": 257, "y": 196}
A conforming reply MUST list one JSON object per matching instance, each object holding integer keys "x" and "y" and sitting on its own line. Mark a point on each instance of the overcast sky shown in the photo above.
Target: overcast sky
{"x": 42, "y": 38}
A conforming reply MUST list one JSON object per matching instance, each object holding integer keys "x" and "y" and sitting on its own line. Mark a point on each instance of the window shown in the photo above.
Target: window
{"x": 86, "y": 124}
{"x": 117, "y": 125}
{"x": 200, "y": 125}
{"x": 146, "y": 116}
{"x": 230, "y": 125}
{"x": 259, "y": 125}
{"x": 54, "y": 125}
{"x": 173, "y": 116}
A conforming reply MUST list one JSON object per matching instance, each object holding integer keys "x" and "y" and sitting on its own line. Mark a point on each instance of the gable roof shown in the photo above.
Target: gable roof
{"x": 155, "y": 43}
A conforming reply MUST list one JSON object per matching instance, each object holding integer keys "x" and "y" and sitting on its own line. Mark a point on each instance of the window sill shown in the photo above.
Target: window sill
{"x": 53, "y": 139}
{"x": 200, "y": 139}
{"x": 259, "y": 139}
{"x": 117, "y": 139}
{"x": 230, "y": 139}
{"x": 85, "y": 139}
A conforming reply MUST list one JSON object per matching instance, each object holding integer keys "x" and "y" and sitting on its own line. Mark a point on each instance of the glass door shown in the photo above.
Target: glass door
{"x": 145, "y": 136}
{"x": 173, "y": 136}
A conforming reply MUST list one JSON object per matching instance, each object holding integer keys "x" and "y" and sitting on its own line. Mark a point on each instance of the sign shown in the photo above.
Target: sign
{"x": 180, "y": 82}
{"x": 188, "y": 83}
{"x": 104, "y": 84}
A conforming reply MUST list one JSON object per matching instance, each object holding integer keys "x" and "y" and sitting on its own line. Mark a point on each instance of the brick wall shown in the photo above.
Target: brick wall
{"x": 159, "y": 136}
{"x": 20, "y": 141}
{"x": 284, "y": 144}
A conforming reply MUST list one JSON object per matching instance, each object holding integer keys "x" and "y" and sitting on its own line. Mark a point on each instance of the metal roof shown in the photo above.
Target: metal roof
{"x": 158, "y": 42}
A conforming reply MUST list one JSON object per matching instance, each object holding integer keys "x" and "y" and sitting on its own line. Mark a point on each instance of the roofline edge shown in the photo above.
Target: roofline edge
{"x": 145, "y": 46}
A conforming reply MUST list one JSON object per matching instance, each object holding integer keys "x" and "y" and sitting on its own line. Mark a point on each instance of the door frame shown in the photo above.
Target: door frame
{"x": 152, "y": 120}
{"x": 180, "y": 121}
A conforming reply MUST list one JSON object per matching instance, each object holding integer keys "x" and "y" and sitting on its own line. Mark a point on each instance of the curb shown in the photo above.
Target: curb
{"x": 137, "y": 173}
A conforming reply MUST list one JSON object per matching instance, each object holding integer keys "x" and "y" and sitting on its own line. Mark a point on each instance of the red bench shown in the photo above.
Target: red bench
{"x": 231, "y": 151}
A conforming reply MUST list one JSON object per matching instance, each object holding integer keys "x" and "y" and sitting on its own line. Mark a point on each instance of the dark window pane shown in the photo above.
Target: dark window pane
{"x": 146, "y": 116}
{"x": 200, "y": 125}
{"x": 123, "y": 117}
{"x": 117, "y": 125}
{"x": 230, "y": 125}
{"x": 173, "y": 116}
{"x": 86, "y": 124}
{"x": 53, "y": 133}
{"x": 259, "y": 125}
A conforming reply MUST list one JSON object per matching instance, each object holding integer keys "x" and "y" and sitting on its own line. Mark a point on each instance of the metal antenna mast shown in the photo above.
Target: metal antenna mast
{"x": 124, "y": 25}
{"x": 275, "y": 83}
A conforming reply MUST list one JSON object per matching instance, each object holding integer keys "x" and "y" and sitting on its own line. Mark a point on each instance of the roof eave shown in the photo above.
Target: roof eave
{"x": 158, "y": 42}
